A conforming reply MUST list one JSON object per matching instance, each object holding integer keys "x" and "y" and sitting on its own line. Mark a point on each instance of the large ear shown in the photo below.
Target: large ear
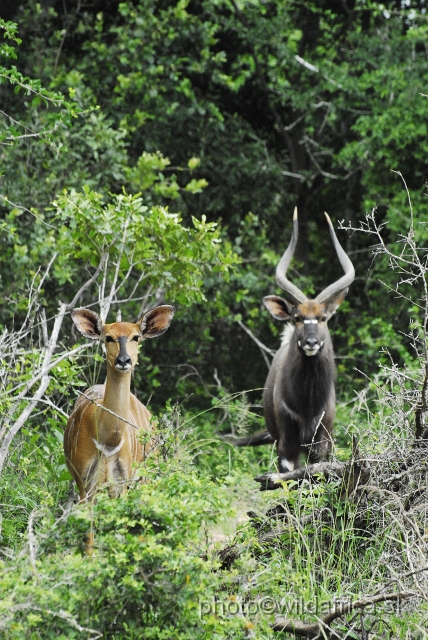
{"x": 88, "y": 323}
{"x": 278, "y": 307}
{"x": 333, "y": 303}
{"x": 156, "y": 321}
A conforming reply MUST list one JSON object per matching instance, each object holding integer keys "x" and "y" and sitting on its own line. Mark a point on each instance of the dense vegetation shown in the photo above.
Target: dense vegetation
{"x": 154, "y": 151}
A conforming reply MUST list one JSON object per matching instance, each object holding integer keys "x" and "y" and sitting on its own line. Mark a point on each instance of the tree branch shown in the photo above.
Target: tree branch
{"x": 315, "y": 629}
{"x": 4, "y": 447}
{"x": 271, "y": 481}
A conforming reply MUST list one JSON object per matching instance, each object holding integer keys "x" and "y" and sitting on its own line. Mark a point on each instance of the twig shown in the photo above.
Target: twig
{"x": 30, "y": 383}
{"x": 109, "y": 411}
{"x": 298, "y": 522}
{"x": 396, "y": 499}
{"x": 103, "y": 261}
{"x": 19, "y": 206}
{"x": 106, "y": 302}
{"x": 263, "y": 348}
{"x": 69, "y": 21}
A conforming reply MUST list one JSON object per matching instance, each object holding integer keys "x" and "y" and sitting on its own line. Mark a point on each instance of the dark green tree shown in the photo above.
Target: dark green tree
{"x": 273, "y": 104}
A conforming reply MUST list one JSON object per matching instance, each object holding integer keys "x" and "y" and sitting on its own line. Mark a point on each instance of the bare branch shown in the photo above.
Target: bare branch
{"x": 271, "y": 481}
{"x": 13, "y": 430}
{"x": 19, "y": 206}
{"x": 30, "y": 383}
{"x": 103, "y": 262}
{"x": 261, "y": 346}
{"x": 315, "y": 629}
{"x": 8, "y": 432}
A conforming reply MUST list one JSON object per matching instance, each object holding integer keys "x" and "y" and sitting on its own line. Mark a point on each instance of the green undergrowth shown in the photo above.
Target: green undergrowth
{"x": 149, "y": 570}
{"x": 34, "y": 477}
{"x": 180, "y": 557}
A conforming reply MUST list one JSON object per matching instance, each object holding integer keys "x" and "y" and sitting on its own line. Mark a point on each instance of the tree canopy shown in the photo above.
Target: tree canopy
{"x": 231, "y": 110}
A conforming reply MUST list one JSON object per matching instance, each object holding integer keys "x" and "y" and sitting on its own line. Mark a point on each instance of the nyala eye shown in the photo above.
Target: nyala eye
{"x": 109, "y": 339}
{"x": 298, "y": 318}
{"x": 135, "y": 338}
{"x": 324, "y": 319}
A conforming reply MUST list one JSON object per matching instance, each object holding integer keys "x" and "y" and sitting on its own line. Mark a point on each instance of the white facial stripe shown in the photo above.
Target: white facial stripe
{"x": 313, "y": 321}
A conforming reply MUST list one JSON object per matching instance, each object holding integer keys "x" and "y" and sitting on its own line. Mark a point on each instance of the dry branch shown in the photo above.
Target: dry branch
{"x": 40, "y": 374}
{"x": 263, "y": 348}
{"x": 25, "y": 414}
{"x": 329, "y": 470}
{"x": 315, "y": 629}
{"x": 273, "y": 534}
{"x": 354, "y": 473}
{"x": 91, "y": 634}
{"x": 399, "y": 476}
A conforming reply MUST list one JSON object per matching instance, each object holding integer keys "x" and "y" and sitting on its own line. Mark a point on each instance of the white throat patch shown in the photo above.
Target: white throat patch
{"x": 106, "y": 450}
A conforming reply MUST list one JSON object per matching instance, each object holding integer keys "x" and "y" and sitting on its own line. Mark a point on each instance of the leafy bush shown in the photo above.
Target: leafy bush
{"x": 151, "y": 568}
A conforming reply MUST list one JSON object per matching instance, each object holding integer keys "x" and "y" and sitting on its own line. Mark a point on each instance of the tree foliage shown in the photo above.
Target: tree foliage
{"x": 238, "y": 111}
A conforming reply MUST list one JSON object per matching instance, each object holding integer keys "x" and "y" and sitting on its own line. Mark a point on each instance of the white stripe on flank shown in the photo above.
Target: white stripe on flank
{"x": 108, "y": 451}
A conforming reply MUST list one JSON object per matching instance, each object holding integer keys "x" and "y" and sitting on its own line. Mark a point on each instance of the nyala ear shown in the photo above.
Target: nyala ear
{"x": 278, "y": 307}
{"x": 88, "y": 323}
{"x": 333, "y": 303}
{"x": 156, "y": 321}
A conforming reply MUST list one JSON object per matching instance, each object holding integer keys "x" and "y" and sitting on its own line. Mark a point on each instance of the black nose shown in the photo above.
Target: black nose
{"x": 123, "y": 361}
{"x": 311, "y": 342}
